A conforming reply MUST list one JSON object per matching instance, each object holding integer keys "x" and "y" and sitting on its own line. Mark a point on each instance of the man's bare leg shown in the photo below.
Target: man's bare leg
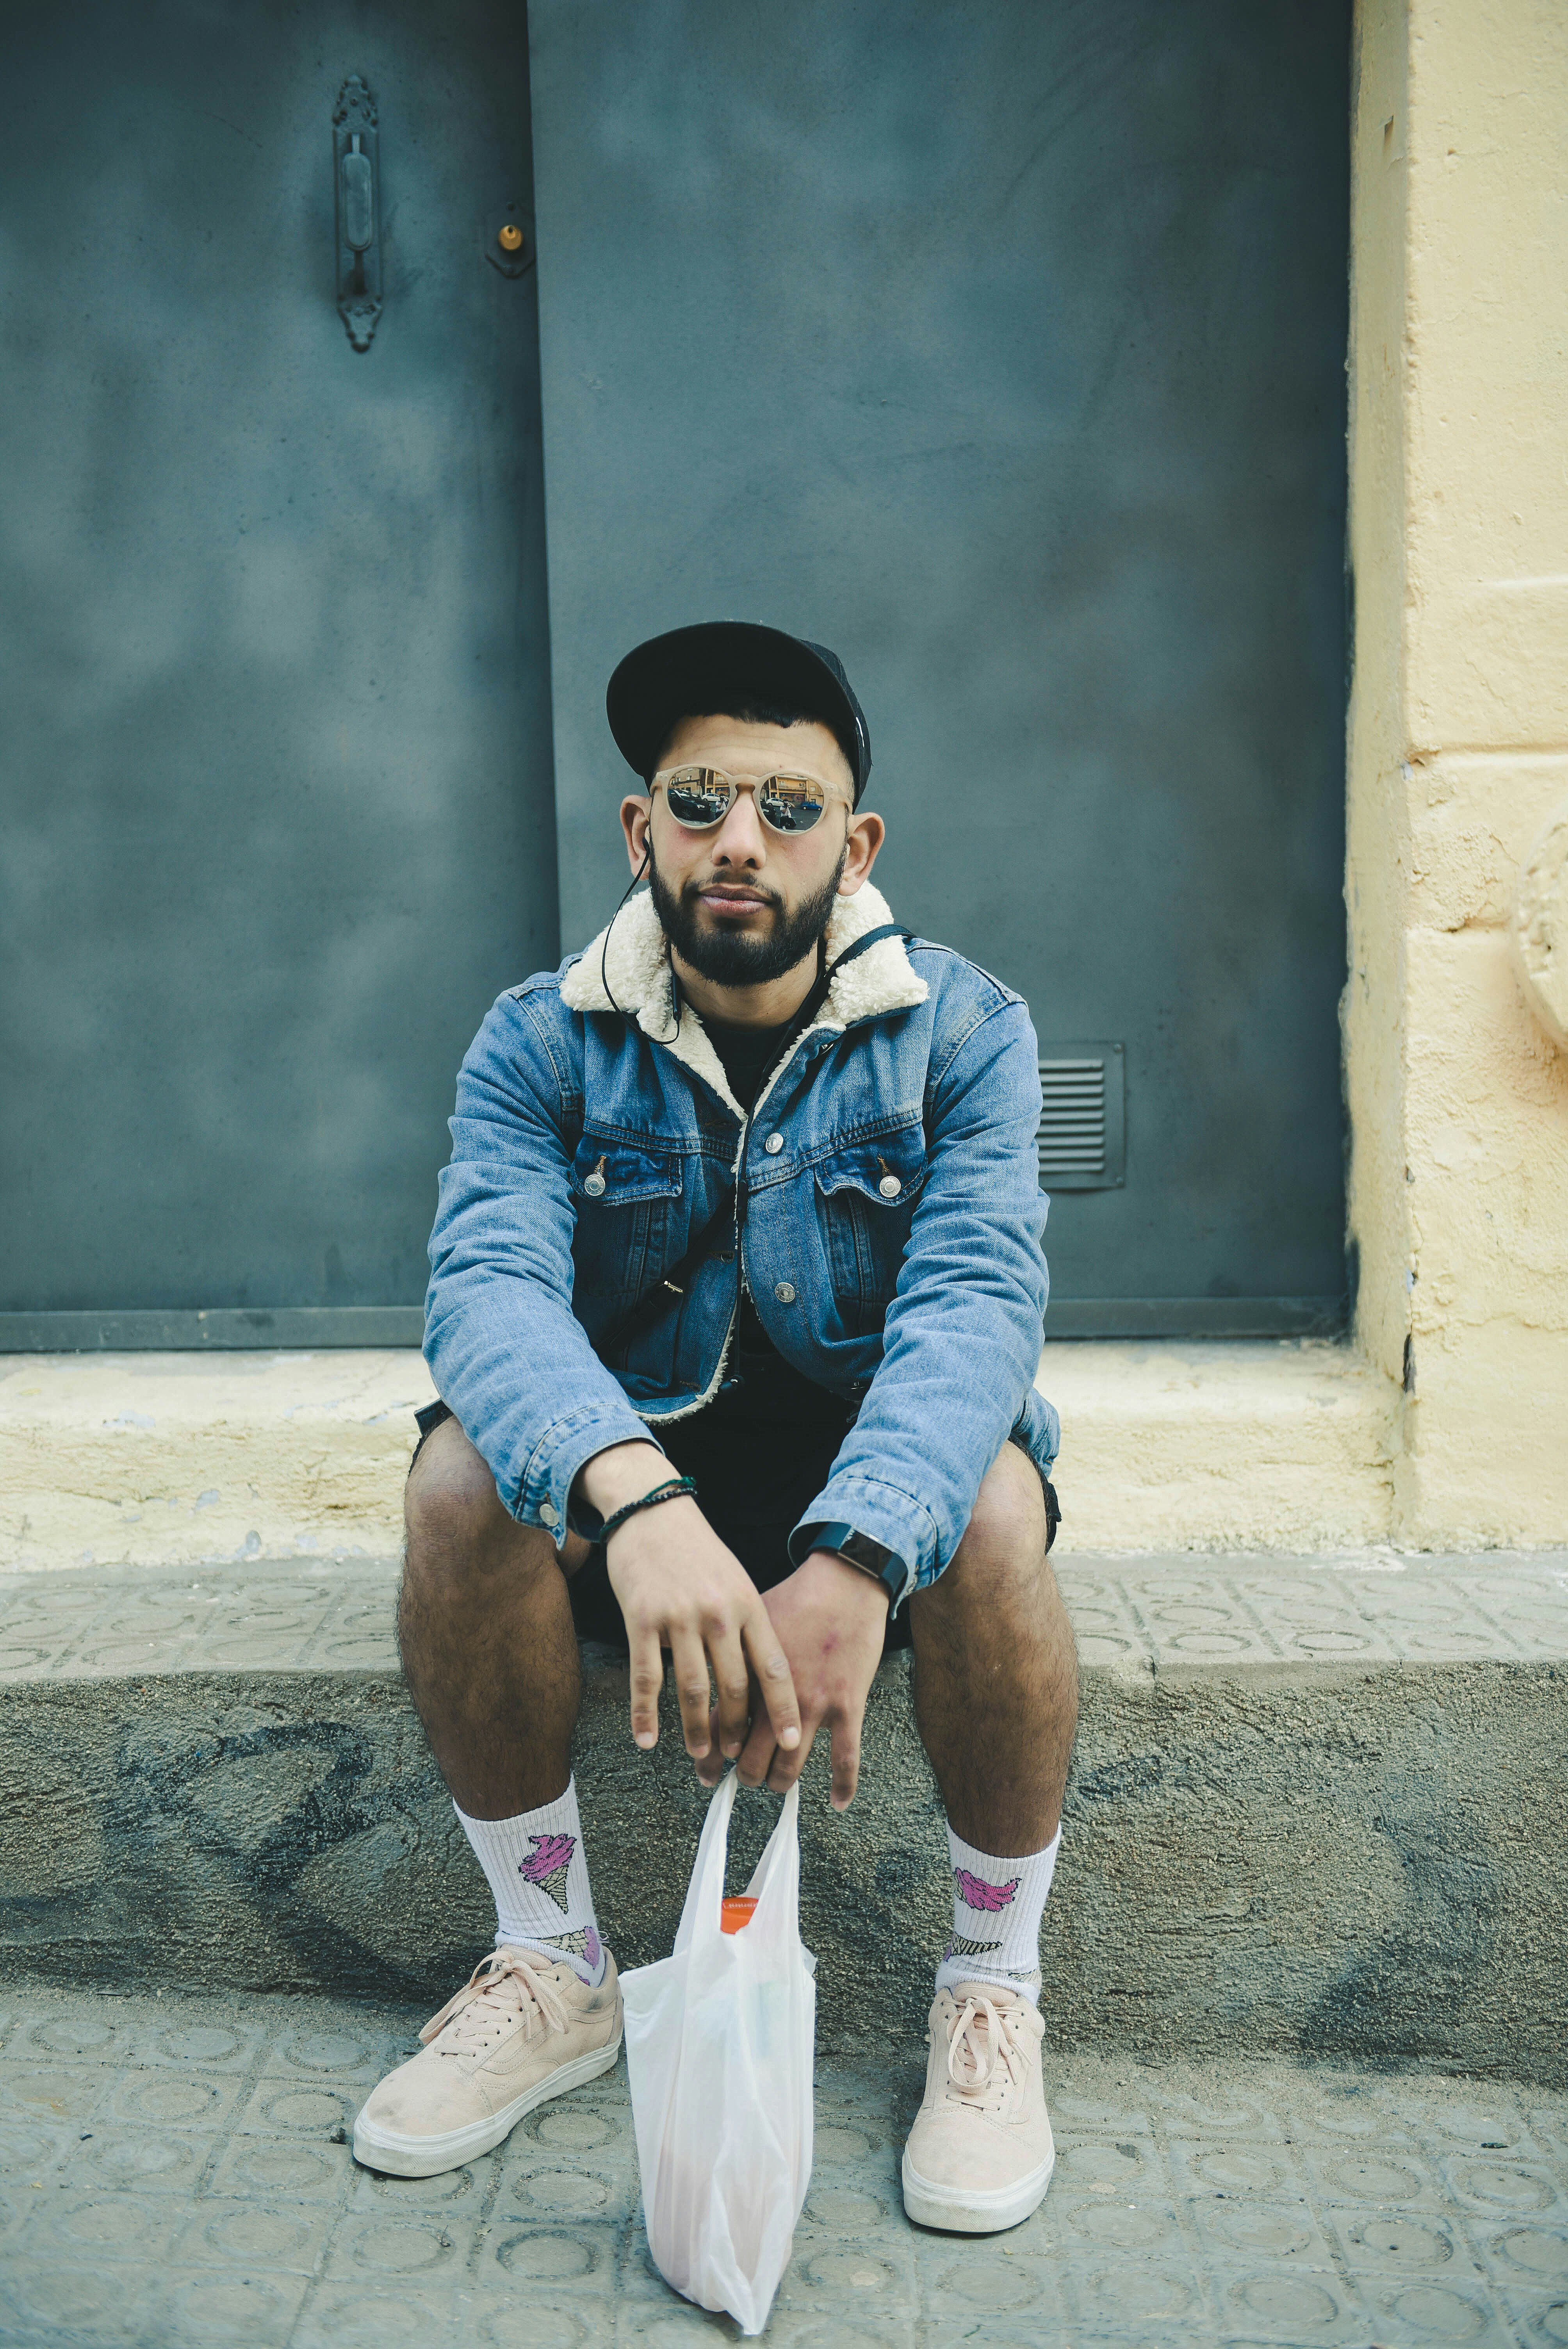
{"x": 995, "y": 1672}
{"x": 995, "y": 1694}
{"x": 491, "y": 1657}
{"x": 485, "y": 1628}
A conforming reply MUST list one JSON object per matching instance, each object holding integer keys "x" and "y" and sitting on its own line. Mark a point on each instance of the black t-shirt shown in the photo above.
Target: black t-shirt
{"x": 760, "y": 1387}
{"x": 745, "y": 1053}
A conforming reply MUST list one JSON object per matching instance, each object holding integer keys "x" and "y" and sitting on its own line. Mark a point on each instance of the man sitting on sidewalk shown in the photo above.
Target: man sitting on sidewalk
{"x": 734, "y": 1313}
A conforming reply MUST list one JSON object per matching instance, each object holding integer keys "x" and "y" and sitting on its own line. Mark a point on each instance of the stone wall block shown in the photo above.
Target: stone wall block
{"x": 1495, "y": 1489}
{"x": 1474, "y": 818}
{"x": 1459, "y": 723}
{"x": 1539, "y": 928}
{"x": 1489, "y": 1148}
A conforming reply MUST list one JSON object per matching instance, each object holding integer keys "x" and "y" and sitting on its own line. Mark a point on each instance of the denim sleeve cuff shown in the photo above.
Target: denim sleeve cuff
{"x": 544, "y": 1496}
{"x": 899, "y": 1520}
{"x": 891, "y": 1569}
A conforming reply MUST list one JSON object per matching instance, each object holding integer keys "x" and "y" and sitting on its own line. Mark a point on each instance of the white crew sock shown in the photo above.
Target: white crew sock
{"x": 538, "y": 1870}
{"x": 997, "y": 1905}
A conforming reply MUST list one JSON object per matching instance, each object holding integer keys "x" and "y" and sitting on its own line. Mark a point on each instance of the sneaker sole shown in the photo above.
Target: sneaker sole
{"x": 428, "y": 2157}
{"x": 989, "y": 2212}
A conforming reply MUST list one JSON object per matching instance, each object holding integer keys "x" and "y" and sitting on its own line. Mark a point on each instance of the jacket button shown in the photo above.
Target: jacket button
{"x": 785, "y": 1292}
{"x": 890, "y": 1186}
{"x": 549, "y": 1515}
{"x": 774, "y": 1145}
{"x": 594, "y": 1186}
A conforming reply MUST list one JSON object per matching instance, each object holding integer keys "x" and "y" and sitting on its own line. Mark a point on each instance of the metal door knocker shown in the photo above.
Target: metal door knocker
{"x": 355, "y": 168}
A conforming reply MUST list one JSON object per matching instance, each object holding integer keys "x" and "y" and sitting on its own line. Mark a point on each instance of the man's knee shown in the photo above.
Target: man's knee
{"x": 1009, "y": 1518}
{"x": 1007, "y": 1534}
{"x": 450, "y": 1501}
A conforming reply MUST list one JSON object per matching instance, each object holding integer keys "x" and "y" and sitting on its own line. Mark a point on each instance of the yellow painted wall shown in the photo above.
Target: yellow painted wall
{"x": 1458, "y": 750}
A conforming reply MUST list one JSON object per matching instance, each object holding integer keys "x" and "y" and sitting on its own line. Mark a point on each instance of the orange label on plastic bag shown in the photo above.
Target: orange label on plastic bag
{"x": 735, "y": 1910}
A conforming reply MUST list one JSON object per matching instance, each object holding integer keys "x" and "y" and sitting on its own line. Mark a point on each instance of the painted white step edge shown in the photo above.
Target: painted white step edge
{"x": 169, "y": 1459}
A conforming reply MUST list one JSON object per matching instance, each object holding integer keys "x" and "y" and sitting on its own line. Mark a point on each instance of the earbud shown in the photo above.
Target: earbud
{"x": 605, "y": 950}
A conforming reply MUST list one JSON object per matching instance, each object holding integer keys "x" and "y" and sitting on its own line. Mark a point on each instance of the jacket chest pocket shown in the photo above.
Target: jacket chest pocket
{"x": 865, "y": 1204}
{"x": 624, "y": 1195}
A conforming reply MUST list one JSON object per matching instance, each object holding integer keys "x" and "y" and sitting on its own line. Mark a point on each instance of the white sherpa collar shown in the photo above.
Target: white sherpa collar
{"x": 883, "y": 979}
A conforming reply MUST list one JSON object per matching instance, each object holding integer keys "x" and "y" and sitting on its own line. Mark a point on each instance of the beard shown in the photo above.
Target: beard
{"x": 736, "y": 957}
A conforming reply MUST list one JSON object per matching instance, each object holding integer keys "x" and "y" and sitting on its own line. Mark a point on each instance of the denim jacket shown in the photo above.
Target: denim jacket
{"x": 892, "y": 1242}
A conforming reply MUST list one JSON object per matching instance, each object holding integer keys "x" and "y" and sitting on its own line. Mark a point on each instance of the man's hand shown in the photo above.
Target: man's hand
{"x": 830, "y": 1618}
{"x": 679, "y": 1587}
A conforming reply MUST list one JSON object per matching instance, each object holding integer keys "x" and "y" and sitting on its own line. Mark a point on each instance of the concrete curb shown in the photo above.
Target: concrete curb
{"x": 1312, "y": 1812}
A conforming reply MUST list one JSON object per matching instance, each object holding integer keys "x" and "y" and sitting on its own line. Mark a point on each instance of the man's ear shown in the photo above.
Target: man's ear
{"x": 637, "y": 816}
{"x": 867, "y": 833}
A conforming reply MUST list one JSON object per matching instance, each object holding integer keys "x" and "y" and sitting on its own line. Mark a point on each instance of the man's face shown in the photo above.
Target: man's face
{"x": 742, "y": 904}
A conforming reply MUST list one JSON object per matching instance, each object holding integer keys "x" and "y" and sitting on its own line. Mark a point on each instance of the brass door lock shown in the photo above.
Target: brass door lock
{"x": 509, "y": 239}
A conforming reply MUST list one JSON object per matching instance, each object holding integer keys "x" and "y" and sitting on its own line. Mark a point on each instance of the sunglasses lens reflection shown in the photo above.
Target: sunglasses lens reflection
{"x": 700, "y": 797}
{"x": 790, "y": 802}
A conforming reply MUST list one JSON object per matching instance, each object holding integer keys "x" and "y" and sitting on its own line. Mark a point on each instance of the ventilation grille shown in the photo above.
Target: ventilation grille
{"x": 1072, "y": 1119}
{"x": 1082, "y": 1118}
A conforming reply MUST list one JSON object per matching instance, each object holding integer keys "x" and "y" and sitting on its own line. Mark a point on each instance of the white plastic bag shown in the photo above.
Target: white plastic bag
{"x": 720, "y": 2039}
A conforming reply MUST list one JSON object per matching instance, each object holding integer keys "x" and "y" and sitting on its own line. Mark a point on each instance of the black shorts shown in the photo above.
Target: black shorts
{"x": 753, "y": 1486}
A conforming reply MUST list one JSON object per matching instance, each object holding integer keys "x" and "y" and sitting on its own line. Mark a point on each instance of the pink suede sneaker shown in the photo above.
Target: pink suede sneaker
{"x": 980, "y": 2155}
{"x": 519, "y": 2031}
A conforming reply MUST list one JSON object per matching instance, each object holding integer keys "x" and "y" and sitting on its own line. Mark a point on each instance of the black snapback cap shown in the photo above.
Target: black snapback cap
{"x": 724, "y": 665}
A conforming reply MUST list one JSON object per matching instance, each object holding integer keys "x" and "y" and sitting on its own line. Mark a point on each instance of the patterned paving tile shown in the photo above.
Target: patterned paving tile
{"x": 95, "y": 1622}
{"x": 1539, "y": 2319}
{"x": 1168, "y": 1613}
{"x": 172, "y": 2170}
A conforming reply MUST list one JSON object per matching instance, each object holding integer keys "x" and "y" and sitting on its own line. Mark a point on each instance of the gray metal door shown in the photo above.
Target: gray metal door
{"x": 274, "y": 721}
{"x": 1002, "y": 347}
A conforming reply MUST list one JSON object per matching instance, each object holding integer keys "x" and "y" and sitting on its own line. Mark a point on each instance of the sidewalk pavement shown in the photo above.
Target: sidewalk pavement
{"x": 174, "y": 2169}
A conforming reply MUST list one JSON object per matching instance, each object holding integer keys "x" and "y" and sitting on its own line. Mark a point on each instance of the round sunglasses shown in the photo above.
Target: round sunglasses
{"x": 699, "y": 797}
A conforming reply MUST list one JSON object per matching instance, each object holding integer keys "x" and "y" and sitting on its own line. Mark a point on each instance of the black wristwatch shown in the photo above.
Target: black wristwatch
{"x": 856, "y": 1550}
{"x": 872, "y": 1558}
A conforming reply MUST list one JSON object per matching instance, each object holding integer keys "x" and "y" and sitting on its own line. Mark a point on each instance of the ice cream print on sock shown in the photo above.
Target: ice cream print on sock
{"x": 959, "y": 1945}
{"x": 549, "y": 1865}
{"x": 1010, "y": 1896}
{"x": 975, "y": 1893}
{"x": 1024, "y": 1978}
{"x": 585, "y": 1944}
{"x": 538, "y": 1870}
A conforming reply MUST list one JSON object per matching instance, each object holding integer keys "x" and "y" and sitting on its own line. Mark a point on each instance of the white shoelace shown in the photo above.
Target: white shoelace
{"x": 984, "y": 2059}
{"x": 503, "y": 1990}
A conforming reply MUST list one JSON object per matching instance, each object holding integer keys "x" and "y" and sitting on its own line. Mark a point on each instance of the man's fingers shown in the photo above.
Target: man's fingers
{"x": 846, "y": 1764}
{"x": 775, "y": 1681}
{"x": 732, "y": 1713}
{"x": 693, "y": 1693}
{"x": 710, "y": 1770}
{"x": 647, "y": 1680}
{"x": 787, "y": 1767}
{"x": 757, "y": 1753}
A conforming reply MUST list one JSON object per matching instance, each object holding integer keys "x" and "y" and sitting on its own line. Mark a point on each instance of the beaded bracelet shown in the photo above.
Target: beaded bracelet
{"x": 670, "y": 1492}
